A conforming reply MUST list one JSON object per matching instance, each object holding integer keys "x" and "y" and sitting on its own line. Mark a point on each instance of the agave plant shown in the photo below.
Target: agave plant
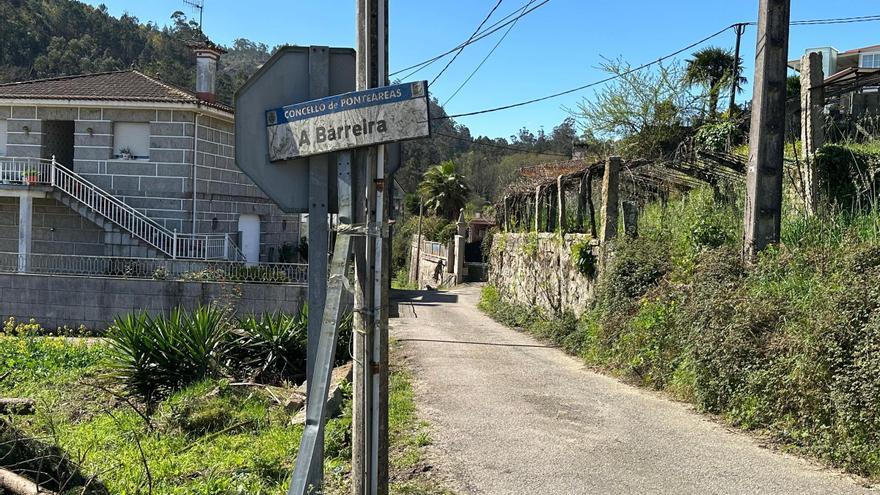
{"x": 154, "y": 356}
{"x": 273, "y": 347}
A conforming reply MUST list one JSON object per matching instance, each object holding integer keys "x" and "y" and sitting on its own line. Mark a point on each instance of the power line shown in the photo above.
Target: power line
{"x": 476, "y": 31}
{"x": 838, "y": 20}
{"x": 833, "y": 20}
{"x": 499, "y": 146}
{"x": 486, "y": 57}
{"x": 585, "y": 86}
{"x": 487, "y": 32}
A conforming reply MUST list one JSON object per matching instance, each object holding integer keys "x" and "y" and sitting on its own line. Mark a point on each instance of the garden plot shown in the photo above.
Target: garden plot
{"x": 196, "y": 403}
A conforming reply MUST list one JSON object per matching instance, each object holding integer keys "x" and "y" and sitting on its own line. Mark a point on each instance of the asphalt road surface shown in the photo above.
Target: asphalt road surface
{"x": 509, "y": 415}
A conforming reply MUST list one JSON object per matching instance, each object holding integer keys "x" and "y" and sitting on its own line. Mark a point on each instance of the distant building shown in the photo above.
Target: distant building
{"x": 852, "y": 76}
{"x": 149, "y": 171}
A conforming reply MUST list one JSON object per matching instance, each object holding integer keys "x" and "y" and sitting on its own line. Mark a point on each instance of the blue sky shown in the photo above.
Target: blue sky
{"x": 554, "y": 48}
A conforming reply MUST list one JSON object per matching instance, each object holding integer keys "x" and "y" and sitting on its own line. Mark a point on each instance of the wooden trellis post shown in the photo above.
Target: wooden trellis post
{"x": 538, "y": 209}
{"x": 589, "y": 201}
{"x": 581, "y": 203}
{"x": 610, "y": 195}
{"x": 560, "y": 206}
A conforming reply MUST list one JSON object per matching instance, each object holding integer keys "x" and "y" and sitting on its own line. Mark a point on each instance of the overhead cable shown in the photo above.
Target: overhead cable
{"x": 585, "y": 86}
{"x": 465, "y": 44}
{"x": 486, "y": 32}
{"x": 485, "y": 58}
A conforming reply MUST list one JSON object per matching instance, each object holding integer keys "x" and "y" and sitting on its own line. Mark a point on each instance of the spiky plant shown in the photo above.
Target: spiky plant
{"x": 154, "y": 356}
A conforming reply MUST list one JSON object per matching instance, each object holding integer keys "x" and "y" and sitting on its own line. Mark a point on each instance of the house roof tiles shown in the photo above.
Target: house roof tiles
{"x": 127, "y": 85}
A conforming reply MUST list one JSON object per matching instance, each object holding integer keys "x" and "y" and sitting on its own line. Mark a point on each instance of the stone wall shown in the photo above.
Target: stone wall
{"x": 55, "y": 300}
{"x": 435, "y": 267}
{"x": 536, "y": 270}
{"x": 56, "y": 229}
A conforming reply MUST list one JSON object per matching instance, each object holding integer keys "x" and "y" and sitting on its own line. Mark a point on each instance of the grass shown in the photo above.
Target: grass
{"x": 209, "y": 437}
{"x": 409, "y": 472}
{"x": 790, "y": 346}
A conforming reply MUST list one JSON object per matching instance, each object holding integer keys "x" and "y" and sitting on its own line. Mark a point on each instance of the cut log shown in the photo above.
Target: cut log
{"x": 17, "y": 406}
{"x": 19, "y": 485}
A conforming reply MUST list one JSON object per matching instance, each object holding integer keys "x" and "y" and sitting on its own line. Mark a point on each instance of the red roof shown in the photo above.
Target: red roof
{"x": 127, "y": 85}
{"x": 872, "y": 48}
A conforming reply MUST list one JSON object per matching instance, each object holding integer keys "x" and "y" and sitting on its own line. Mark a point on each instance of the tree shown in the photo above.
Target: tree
{"x": 644, "y": 112}
{"x": 444, "y": 190}
{"x": 712, "y": 68}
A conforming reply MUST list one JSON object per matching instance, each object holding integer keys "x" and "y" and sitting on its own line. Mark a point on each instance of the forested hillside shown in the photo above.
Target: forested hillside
{"x": 48, "y": 38}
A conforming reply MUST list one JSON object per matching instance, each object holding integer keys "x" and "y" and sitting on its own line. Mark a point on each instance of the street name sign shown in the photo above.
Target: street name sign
{"x": 289, "y": 77}
{"x": 347, "y": 121}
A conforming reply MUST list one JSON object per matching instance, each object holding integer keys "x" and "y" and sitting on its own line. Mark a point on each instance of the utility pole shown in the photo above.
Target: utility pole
{"x": 370, "y": 415}
{"x": 739, "y": 28}
{"x": 767, "y": 135}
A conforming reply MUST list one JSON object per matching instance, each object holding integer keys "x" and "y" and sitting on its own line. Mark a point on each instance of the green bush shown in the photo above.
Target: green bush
{"x": 153, "y": 356}
{"x": 848, "y": 175}
{"x": 583, "y": 259}
{"x": 272, "y": 347}
{"x": 715, "y": 136}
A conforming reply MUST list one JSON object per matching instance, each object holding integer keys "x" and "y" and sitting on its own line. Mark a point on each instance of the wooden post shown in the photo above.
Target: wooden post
{"x": 538, "y": 209}
{"x": 763, "y": 209}
{"x": 812, "y": 130}
{"x": 610, "y": 197}
{"x": 631, "y": 219}
{"x": 589, "y": 200}
{"x": 739, "y": 29}
{"x": 581, "y": 203}
{"x": 560, "y": 205}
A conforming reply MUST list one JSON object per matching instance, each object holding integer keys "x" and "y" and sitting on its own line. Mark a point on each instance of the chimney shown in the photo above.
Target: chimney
{"x": 207, "y": 56}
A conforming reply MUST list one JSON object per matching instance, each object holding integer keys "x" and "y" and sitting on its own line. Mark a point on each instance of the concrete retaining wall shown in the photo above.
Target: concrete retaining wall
{"x": 537, "y": 270}
{"x": 55, "y": 301}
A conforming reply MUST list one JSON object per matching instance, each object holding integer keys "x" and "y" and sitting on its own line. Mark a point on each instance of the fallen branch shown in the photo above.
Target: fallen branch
{"x": 20, "y": 485}
{"x": 17, "y": 406}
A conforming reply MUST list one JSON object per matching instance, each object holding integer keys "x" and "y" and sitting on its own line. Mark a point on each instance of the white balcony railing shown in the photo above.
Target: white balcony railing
{"x": 38, "y": 171}
{"x": 188, "y": 270}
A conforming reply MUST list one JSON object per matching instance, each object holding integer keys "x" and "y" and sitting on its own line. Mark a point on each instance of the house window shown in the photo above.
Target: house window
{"x": 131, "y": 140}
{"x": 870, "y": 60}
{"x": 3, "y": 134}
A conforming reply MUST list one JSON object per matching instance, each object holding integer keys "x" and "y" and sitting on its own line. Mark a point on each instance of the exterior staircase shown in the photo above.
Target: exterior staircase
{"x": 120, "y": 243}
{"x": 131, "y": 232}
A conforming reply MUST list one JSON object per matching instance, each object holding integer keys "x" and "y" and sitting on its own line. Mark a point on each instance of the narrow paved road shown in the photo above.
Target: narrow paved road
{"x": 509, "y": 415}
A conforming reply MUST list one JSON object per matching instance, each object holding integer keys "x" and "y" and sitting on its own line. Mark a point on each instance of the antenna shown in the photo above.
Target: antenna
{"x": 197, "y": 5}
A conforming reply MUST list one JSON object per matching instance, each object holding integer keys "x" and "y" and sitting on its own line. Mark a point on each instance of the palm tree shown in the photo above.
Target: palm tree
{"x": 444, "y": 190}
{"x": 712, "y": 67}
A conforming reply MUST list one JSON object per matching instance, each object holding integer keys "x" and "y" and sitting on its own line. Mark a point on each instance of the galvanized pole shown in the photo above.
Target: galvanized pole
{"x": 763, "y": 207}
{"x": 319, "y": 87}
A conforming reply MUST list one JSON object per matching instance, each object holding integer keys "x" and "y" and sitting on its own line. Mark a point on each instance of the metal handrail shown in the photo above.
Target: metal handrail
{"x": 39, "y": 171}
{"x": 187, "y": 270}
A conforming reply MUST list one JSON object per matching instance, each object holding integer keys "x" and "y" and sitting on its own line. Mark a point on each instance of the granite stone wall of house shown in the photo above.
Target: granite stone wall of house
{"x": 161, "y": 187}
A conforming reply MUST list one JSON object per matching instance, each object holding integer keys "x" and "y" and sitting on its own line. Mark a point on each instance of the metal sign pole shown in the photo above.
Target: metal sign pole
{"x": 370, "y": 401}
{"x": 383, "y": 190}
{"x": 319, "y": 86}
{"x": 304, "y": 481}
